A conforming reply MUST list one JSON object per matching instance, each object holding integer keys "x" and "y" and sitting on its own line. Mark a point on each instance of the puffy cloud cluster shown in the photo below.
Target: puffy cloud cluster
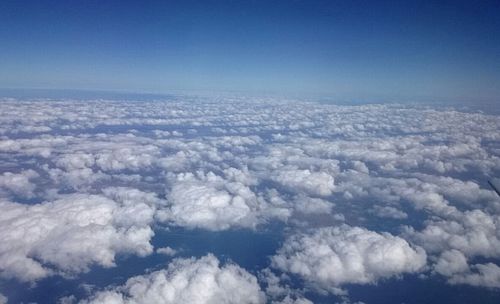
{"x": 71, "y": 233}
{"x": 208, "y": 201}
{"x": 193, "y": 281}
{"x": 19, "y": 183}
{"x": 315, "y": 183}
{"x": 453, "y": 264}
{"x": 474, "y": 233}
{"x": 278, "y": 291}
{"x": 212, "y": 202}
{"x": 458, "y": 238}
{"x": 166, "y": 251}
{"x": 332, "y": 256}
{"x": 389, "y": 212}
{"x": 290, "y": 300}
{"x": 312, "y": 205}
{"x": 484, "y": 275}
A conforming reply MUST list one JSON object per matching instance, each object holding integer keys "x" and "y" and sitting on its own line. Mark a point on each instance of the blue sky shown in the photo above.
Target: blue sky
{"x": 390, "y": 50}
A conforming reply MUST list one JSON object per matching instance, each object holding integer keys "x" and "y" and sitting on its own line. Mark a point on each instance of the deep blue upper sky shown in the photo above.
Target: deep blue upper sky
{"x": 391, "y": 50}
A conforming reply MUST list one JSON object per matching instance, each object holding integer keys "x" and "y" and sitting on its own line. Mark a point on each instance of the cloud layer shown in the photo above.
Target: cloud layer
{"x": 83, "y": 182}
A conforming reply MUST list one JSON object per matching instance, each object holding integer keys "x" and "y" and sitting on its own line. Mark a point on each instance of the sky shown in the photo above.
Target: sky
{"x": 285, "y": 152}
{"x": 344, "y": 50}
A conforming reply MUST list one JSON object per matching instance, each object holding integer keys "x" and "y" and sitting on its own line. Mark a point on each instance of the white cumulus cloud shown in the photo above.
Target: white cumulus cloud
{"x": 70, "y": 234}
{"x": 331, "y": 256}
{"x": 189, "y": 281}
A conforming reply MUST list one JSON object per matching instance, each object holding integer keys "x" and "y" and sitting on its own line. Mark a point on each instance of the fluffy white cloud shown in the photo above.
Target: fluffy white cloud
{"x": 70, "y": 234}
{"x": 122, "y": 158}
{"x": 309, "y": 205}
{"x": 19, "y": 183}
{"x": 166, "y": 251}
{"x": 193, "y": 281}
{"x": 208, "y": 201}
{"x": 331, "y": 256}
{"x": 389, "y": 212}
{"x": 78, "y": 160}
{"x": 453, "y": 265}
{"x": 484, "y": 275}
{"x": 451, "y": 262}
{"x": 458, "y": 238}
{"x": 212, "y": 202}
{"x": 474, "y": 233}
{"x": 290, "y": 300}
{"x": 315, "y": 183}
{"x": 278, "y": 291}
